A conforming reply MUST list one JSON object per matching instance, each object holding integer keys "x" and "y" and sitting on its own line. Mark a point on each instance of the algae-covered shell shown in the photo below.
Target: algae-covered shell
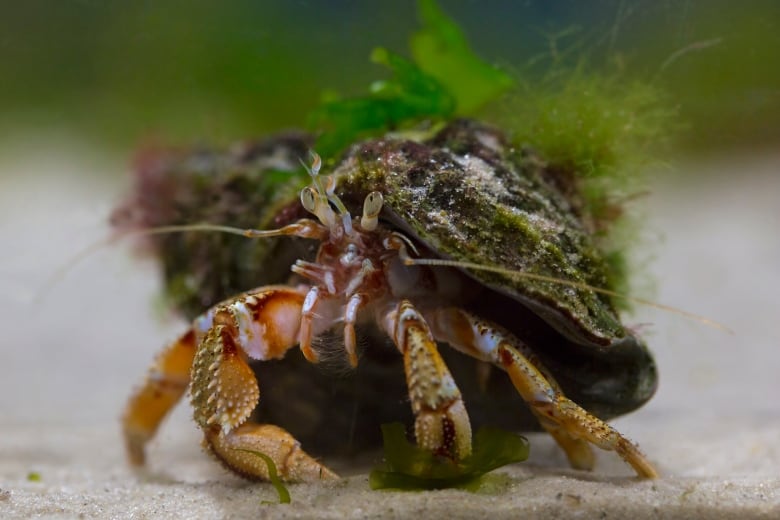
{"x": 467, "y": 195}
{"x": 470, "y": 197}
{"x": 463, "y": 193}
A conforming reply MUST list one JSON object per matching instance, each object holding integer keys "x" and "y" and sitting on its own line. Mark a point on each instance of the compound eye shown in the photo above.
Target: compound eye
{"x": 309, "y": 199}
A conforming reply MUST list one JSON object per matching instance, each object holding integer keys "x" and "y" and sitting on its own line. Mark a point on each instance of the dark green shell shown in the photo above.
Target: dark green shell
{"x": 471, "y": 197}
{"x": 463, "y": 193}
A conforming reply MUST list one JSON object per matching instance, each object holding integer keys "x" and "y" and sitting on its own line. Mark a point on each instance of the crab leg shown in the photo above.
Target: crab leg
{"x": 570, "y": 425}
{"x": 442, "y": 424}
{"x": 166, "y": 382}
{"x": 355, "y": 303}
{"x": 318, "y": 313}
{"x": 307, "y": 318}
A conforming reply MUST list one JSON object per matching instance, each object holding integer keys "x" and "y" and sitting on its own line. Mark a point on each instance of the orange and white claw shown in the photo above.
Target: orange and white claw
{"x": 267, "y": 320}
{"x": 262, "y": 324}
{"x": 292, "y": 463}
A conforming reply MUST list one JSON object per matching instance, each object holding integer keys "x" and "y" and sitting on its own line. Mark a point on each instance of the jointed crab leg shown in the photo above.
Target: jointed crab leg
{"x": 165, "y": 383}
{"x": 442, "y": 424}
{"x": 263, "y": 324}
{"x": 568, "y": 423}
{"x": 350, "y": 318}
{"x": 307, "y": 318}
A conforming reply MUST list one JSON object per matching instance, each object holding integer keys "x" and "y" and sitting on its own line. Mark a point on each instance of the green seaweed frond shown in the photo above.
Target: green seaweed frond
{"x": 441, "y": 49}
{"x": 410, "y": 467}
{"x": 410, "y": 95}
{"x": 445, "y": 78}
{"x": 273, "y": 475}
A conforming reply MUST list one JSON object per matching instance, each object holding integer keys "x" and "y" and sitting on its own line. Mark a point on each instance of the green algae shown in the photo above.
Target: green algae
{"x": 410, "y": 95}
{"x": 409, "y": 467}
{"x": 441, "y": 49}
{"x": 445, "y": 78}
{"x": 600, "y": 134}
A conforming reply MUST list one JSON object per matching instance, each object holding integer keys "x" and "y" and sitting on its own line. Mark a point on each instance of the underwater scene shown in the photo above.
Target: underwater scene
{"x": 372, "y": 259}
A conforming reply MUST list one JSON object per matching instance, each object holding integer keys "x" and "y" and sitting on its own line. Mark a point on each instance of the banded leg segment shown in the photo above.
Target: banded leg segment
{"x": 571, "y": 426}
{"x": 319, "y": 311}
{"x": 559, "y": 415}
{"x": 165, "y": 384}
{"x": 262, "y": 325}
{"x": 442, "y": 424}
{"x": 356, "y": 302}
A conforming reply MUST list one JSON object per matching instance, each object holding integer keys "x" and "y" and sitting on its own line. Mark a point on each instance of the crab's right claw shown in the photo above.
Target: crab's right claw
{"x": 224, "y": 391}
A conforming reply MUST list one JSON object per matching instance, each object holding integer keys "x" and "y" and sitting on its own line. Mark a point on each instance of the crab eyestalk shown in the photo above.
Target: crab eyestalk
{"x": 318, "y": 205}
{"x": 317, "y": 199}
{"x": 371, "y": 208}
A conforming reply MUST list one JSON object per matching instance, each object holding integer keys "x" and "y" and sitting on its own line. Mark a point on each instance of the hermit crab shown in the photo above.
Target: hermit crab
{"x": 454, "y": 275}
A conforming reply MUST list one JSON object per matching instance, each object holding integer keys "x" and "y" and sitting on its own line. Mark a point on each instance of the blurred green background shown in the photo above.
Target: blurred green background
{"x": 118, "y": 73}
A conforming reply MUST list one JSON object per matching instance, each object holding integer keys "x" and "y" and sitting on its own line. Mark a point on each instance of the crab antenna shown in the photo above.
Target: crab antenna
{"x": 304, "y": 228}
{"x": 577, "y": 285}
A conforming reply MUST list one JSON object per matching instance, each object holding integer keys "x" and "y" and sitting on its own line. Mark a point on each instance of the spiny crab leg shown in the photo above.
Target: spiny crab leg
{"x": 262, "y": 324}
{"x": 567, "y": 422}
{"x": 442, "y": 424}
